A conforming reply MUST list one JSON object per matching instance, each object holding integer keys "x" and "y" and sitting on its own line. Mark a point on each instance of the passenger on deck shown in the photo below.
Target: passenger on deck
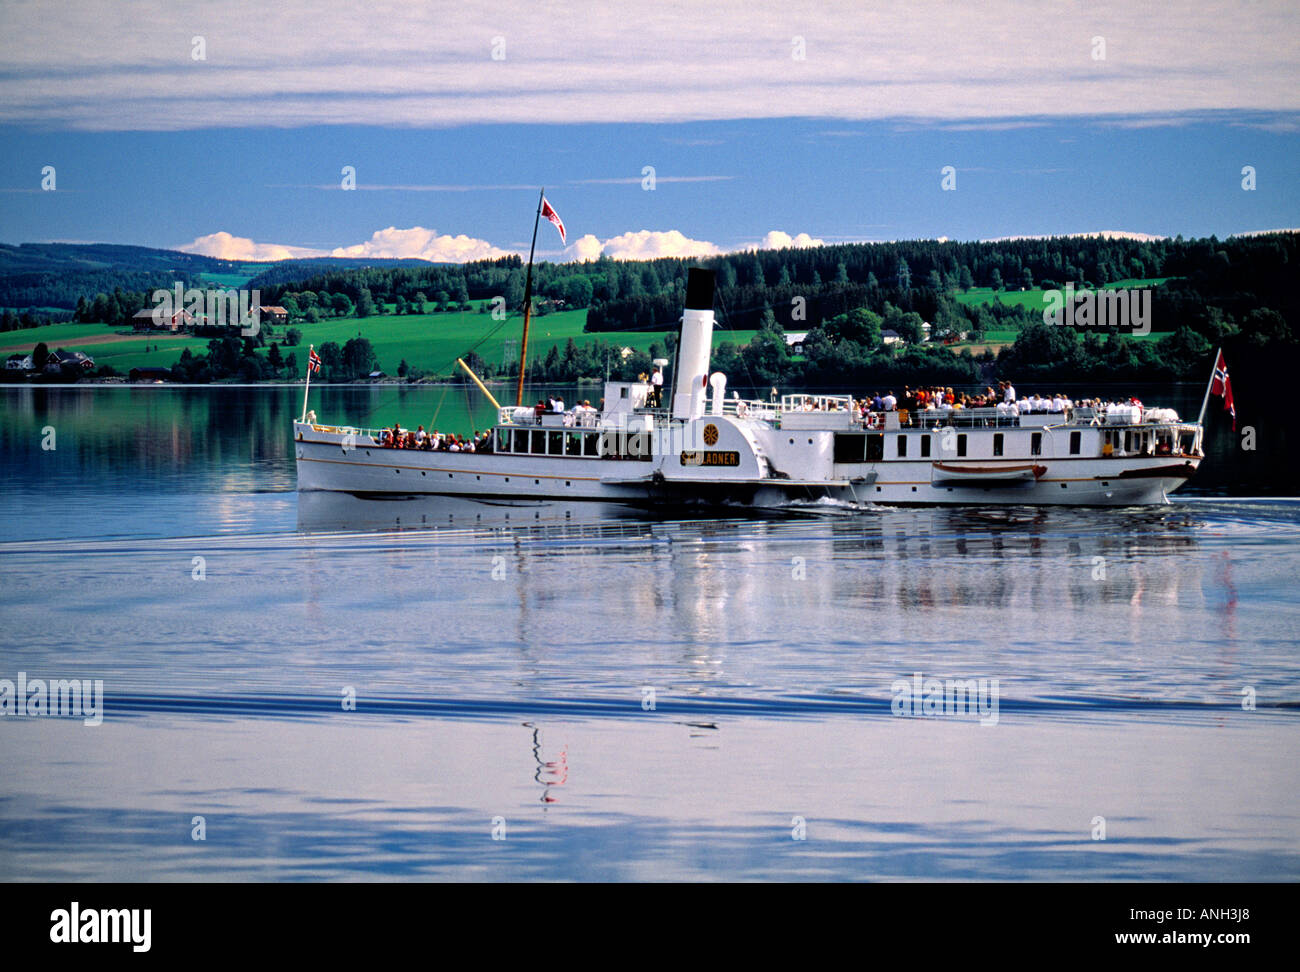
{"x": 540, "y": 410}
{"x": 890, "y": 402}
{"x": 420, "y": 436}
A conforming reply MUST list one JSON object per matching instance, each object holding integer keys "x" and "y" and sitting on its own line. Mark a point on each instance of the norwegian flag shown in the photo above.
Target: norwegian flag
{"x": 313, "y": 361}
{"x": 554, "y": 217}
{"x": 1220, "y": 385}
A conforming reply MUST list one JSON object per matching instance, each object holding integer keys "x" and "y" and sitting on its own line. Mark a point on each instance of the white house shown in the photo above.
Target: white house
{"x": 794, "y": 341}
{"x": 19, "y": 362}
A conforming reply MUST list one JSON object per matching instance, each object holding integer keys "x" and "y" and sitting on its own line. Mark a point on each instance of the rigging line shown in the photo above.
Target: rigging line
{"x": 476, "y": 345}
{"x": 433, "y": 422}
{"x": 739, "y": 351}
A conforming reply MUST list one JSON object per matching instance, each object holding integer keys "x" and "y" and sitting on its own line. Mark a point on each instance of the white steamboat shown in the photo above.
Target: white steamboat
{"x": 705, "y": 447}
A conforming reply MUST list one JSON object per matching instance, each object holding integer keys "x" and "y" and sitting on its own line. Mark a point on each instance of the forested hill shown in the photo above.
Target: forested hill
{"x": 293, "y": 271}
{"x": 921, "y": 275}
{"x": 81, "y": 257}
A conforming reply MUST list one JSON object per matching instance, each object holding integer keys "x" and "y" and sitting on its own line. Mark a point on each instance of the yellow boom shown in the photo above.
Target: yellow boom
{"x": 482, "y": 387}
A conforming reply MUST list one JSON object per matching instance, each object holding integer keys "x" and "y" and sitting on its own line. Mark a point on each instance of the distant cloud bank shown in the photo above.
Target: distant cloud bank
{"x": 427, "y": 244}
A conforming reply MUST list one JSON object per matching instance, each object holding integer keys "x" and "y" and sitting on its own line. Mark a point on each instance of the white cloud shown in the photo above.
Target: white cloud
{"x": 106, "y": 65}
{"x": 641, "y": 245}
{"x": 422, "y": 244}
{"x": 227, "y": 247}
{"x": 777, "y": 240}
{"x": 585, "y": 248}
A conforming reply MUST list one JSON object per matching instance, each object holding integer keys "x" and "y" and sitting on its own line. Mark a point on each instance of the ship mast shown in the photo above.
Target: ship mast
{"x": 528, "y": 303}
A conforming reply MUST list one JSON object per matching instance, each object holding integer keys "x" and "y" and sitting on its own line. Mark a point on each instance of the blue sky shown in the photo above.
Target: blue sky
{"x": 240, "y": 152}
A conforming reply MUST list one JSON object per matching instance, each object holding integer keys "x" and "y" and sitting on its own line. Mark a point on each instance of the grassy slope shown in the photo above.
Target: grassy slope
{"x": 1033, "y": 299}
{"x": 429, "y": 342}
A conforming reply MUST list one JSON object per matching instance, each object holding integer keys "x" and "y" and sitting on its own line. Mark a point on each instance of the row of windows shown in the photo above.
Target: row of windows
{"x": 562, "y": 442}
{"x": 852, "y": 447}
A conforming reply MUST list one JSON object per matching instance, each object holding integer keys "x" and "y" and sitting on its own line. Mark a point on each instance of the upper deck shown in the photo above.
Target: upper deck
{"x": 838, "y": 412}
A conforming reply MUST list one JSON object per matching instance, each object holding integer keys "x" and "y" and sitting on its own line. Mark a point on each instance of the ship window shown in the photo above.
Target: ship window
{"x": 925, "y": 447}
{"x": 875, "y": 447}
{"x": 591, "y": 444}
{"x": 1076, "y": 443}
{"x": 503, "y": 440}
{"x": 849, "y": 447}
{"x": 539, "y": 443}
{"x": 1128, "y": 442}
{"x": 997, "y": 443}
{"x": 961, "y": 443}
{"x": 556, "y": 444}
{"x": 902, "y": 446}
{"x": 573, "y": 444}
{"x": 624, "y": 392}
{"x": 1036, "y": 444}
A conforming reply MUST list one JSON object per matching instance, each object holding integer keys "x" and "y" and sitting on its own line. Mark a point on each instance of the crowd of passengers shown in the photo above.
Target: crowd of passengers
{"x": 1003, "y": 399}
{"x": 435, "y": 441}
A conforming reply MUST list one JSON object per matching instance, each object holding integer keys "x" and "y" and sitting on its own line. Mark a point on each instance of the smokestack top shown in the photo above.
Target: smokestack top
{"x": 699, "y": 289}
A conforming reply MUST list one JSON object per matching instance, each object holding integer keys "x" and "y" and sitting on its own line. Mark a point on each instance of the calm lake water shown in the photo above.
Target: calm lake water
{"x": 579, "y": 692}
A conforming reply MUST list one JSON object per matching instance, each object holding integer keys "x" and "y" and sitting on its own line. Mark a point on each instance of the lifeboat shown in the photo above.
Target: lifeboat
{"x": 985, "y": 474}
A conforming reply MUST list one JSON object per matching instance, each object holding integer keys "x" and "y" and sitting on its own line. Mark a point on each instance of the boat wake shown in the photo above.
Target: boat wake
{"x": 685, "y": 710}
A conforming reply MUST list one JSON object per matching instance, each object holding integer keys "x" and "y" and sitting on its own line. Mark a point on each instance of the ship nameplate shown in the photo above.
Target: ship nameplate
{"x": 710, "y": 457}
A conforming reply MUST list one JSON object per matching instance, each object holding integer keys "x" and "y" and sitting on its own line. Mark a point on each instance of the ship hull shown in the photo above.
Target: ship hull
{"x": 370, "y": 470}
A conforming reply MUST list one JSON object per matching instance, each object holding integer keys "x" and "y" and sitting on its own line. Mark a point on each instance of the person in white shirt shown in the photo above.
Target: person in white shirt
{"x": 1008, "y": 393}
{"x": 559, "y": 405}
{"x": 891, "y": 403}
{"x": 656, "y": 386}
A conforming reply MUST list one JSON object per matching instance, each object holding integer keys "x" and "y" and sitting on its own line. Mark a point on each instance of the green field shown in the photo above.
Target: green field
{"x": 428, "y": 342}
{"x": 1033, "y": 299}
{"x": 247, "y": 272}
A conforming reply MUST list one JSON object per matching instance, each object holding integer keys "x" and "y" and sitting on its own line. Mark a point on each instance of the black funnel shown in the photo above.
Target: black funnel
{"x": 699, "y": 289}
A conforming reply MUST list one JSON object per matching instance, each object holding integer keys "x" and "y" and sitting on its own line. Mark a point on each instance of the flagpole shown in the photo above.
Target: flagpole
{"x": 1206, "y": 400}
{"x": 307, "y": 387}
{"x": 528, "y": 303}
